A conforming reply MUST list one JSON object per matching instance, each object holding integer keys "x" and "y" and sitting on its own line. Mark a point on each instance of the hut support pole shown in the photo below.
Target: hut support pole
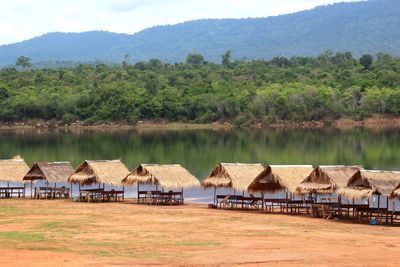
{"x": 379, "y": 201}
{"x": 262, "y": 200}
{"x": 31, "y": 189}
{"x": 215, "y": 195}
{"x": 138, "y": 196}
{"x": 71, "y": 187}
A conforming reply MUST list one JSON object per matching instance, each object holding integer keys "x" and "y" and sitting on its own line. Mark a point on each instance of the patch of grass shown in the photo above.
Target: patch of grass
{"x": 51, "y": 225}
{"x": 22, "y": 236}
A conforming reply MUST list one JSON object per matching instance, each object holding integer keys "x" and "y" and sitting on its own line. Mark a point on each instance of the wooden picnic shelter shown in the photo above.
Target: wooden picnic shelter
{"x": 367, "y": 184}
{"x": 237, "y": 177}
{"x": 322, "y": 184}
{"x": 12, "y": 171}
{"x": 52, "y": 173}
{"x": 101, "y": 173}
{"x": 169, "y": 181}
{"x": 282, "y": 178}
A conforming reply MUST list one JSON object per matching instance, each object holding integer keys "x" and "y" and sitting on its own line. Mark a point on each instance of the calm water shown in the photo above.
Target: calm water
{"x": 200, "y": 150}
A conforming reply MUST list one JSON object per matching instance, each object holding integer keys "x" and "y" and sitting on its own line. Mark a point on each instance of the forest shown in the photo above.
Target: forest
{"x": 326, "y": 87}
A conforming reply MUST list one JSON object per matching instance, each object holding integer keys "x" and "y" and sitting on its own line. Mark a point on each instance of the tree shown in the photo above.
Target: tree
{"x": 366, "y": 61}
{"x": 23, "y": 62}
{"x": 195, "y": 59}
{"x": 226, "y": 58}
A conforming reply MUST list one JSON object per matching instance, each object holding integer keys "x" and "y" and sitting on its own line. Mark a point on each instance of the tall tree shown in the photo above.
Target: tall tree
{"x": 24, "y": 62}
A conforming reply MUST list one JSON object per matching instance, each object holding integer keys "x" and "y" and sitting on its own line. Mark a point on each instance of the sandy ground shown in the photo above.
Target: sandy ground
{"x": 62, "y": 233}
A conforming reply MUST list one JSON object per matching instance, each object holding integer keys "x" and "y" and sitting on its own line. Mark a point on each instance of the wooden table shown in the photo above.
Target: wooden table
{"x": 51, "y": 193}
{"x": 325, "y": 210}
{"x": 100, "y": 195}
{"x": 160, "y": 198}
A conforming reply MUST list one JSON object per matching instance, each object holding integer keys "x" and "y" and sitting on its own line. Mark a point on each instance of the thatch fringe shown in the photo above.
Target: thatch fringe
{"x": 237, "y": 176}
{"x": 280, "y": 177}
{"x": 99, "y": 171}
{"x": 172, "y": 176}
{"x": 365, "y": 183}
{"x": 396, "y": 192}
{"x": 13, "y": 170}
{"x": 53, "y": 172}
{"x": 327, "y": 179}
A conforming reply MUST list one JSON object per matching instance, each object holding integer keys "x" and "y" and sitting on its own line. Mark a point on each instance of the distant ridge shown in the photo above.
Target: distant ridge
{"x": 359, "y": 27}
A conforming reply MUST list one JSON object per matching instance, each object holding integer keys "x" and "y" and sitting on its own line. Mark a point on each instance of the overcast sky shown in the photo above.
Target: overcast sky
{"x": 24, "y": 19}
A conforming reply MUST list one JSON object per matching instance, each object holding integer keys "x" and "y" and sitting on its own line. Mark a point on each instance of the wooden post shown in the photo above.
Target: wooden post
{"x": 123, "y": 193}
{"x": 31, "y": 189}
{"x": 379, "y": 200}
{"x": 262, "y": 200}
{"x": 215, "y": 195}
{"x": 138, "y": 188}
{"x": 70, "y": 186}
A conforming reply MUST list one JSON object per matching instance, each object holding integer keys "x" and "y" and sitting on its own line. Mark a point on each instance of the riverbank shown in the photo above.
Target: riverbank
{"x": 64, "y": 233}
{"x": 343, "y": 123}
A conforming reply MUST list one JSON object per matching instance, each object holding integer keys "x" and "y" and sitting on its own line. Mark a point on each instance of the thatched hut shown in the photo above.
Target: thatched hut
{"x": 276, "y": 178}
{"x": 365, "y": 183}
{"x": 13, "y": 170}
{"x": 51, "y": 172}
{"x": 169, "y": 177}
{"x": 327, "y": 179}
{"x": 90, "y": 172}
{"x": 237, "y": 176}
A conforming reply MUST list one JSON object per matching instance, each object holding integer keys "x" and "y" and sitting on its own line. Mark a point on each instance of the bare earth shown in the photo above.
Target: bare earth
{"x": 63, "y": 233}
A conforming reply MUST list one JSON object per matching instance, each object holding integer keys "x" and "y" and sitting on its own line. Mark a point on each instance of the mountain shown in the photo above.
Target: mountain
{"x": 359, "y": 27}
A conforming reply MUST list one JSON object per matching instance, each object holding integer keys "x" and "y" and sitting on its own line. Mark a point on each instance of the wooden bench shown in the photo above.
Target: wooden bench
{"x": 10, "y": 192}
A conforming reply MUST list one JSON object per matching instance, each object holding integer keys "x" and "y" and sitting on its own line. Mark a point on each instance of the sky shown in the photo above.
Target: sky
{"x": 24, "y": 19}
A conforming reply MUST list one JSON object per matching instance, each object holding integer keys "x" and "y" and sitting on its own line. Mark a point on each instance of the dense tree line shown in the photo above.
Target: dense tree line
{"x": 326, "y": 87}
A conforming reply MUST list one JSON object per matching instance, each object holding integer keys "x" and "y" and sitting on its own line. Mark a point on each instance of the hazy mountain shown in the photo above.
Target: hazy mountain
{"x": 359, "y": 27}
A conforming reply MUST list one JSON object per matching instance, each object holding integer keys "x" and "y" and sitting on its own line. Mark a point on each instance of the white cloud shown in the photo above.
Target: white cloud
{"x": 24, "y": 19}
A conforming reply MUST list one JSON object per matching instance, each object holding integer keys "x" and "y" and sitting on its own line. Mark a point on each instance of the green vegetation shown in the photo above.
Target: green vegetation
{"x": 326, "y": 87}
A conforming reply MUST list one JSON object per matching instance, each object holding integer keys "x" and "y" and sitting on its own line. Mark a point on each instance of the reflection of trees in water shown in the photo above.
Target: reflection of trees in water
{"x": 200, "y": 150}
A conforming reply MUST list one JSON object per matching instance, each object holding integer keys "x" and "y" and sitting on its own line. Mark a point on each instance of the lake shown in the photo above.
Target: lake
{"x": 200, "y": 150}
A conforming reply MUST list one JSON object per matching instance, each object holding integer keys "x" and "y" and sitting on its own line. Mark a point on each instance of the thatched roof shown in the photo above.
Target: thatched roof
{"x": 101, "y": 171}
{"x": 53, "y": 172}
{"x": 237, "y": 176}
{"x": 168, "y": 176}
{"x": 365, "y": 183}
{"x": 327, "y": 179}
{"x": 13, "y": 170}
{"x": 280, "y": 177}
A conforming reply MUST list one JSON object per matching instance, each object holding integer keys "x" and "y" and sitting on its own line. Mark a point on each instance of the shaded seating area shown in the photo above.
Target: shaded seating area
{"x": 12, "y": 172}
{"x": 236, "y": 177}
{"x": 377, "y": 186}
{"x": 322, "y": 184}
{"x": 97, "y": 174}
{"x": 172, "y": 179}
{"x": 55, "y": 175}
{"x": 282, "y": 179}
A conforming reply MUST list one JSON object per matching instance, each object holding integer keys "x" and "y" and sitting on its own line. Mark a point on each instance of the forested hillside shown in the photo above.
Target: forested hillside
{"x": 359, "y": 27}
{"x": 326, "y": 87}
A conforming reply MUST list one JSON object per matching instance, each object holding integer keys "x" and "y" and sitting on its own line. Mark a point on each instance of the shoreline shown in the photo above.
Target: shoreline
{"x": 375, "y": 122}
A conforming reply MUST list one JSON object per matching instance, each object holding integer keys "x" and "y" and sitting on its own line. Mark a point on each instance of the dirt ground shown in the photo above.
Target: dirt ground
{"x": 63, "y": 233}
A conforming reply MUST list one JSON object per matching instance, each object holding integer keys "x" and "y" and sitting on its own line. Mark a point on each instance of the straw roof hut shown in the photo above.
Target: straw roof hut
{"x": 237, "y": 176}
{"x": 168, "y": 176}
{"x": 52, "y": 172}
{"x": 100, "y": 171}
{"x": 365, "y": 183}
{"x": 280, "y": 177}
{"x": 13, "y": 170}
{"x": 327, "y": 179}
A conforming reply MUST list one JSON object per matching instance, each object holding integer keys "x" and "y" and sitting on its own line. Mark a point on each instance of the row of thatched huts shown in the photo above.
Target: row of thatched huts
{"x": 352, "y": 182}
